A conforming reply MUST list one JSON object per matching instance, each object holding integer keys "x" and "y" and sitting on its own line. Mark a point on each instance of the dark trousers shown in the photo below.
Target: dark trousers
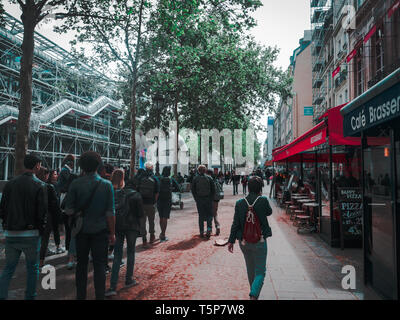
{"x": 97, "y": 244}
{"x": 52, "y": 225}
{"x": 130, "y": 236}
{"x": 67, "y": 231}
{"x": 205, "y": 210}
{"x": 235, "y": 188}
{"x": 244, "y": 188}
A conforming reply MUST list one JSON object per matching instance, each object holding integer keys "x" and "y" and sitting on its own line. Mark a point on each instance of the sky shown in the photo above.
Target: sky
{"x": 280, "y": 23}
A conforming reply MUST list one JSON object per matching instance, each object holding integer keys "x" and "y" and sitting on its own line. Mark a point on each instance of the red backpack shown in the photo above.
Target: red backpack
{"x": 252, "y": 227}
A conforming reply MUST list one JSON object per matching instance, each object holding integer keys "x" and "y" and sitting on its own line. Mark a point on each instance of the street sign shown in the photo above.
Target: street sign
{"x": 308, "y": 111}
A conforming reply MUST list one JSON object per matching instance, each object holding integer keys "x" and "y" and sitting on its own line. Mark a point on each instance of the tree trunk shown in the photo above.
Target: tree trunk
{"x": 133, "y": 131}
{"x": 175, "y": 167}
{"x": 25, "y": 84}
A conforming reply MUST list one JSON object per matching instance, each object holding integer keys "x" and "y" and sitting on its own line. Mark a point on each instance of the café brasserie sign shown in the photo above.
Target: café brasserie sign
{"x": 383, "y": 107}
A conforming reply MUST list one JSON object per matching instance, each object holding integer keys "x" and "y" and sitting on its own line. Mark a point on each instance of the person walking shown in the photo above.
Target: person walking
{"x": 53, "y": 178}
{"x": 94, "y": 196}
{"x": 64, "y": 181}
{"x": 255, "y": 253}
{"x": 219, "y": 194}
{"x": 128, "y": 212}
{"x": 235, "y": 180}
{"x": 244, "y": 184}
{"x": 54, "y": 212}
{"x": 149, "y": 188}
{"x": 164, "y": 202}
{"x": 203, "y": 191}
{"x": 23, "y": 210}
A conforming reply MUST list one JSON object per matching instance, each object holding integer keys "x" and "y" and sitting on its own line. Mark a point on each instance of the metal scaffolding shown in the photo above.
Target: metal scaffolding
{"x": 74, "y": 106}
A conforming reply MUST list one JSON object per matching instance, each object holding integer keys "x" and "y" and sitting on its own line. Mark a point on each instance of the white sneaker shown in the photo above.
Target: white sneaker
{"x": 111, "y": 256}
{"x": 110, "y": 292}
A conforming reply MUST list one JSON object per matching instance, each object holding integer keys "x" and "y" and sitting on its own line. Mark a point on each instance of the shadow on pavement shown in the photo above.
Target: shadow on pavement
{"x": 186, "y": 244}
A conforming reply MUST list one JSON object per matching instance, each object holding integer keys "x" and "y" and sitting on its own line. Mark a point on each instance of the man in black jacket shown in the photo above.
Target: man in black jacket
{"x": 203, "y": 190}
{"x": 23, "y": 210}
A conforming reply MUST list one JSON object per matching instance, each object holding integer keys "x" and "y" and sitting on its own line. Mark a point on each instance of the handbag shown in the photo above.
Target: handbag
{"x": 76, "y": 222}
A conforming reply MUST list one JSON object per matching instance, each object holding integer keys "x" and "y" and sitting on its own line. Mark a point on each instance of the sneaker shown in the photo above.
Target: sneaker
{"x": 108, "y": 269}
{"x": 131, "y": 283}
{"x": 208, "y": 234}
{"x": 70, "y": 265}
{"x": 144, "y": 239}
{"x": 60, "y": 250}
{"x": 110, "y": 292}
{"x": 111, "y": 256}
{"x": 164, "y": 239}
{"x": 152, "y": 238}
{"x": 122, "y": 264}
{"x": 201, "y": 235}
{"x": 218, "y": 231}
{"x": 50, "y": 252}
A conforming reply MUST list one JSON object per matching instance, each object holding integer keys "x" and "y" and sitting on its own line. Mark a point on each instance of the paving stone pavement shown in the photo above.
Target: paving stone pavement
{"x": 189, "y": 268}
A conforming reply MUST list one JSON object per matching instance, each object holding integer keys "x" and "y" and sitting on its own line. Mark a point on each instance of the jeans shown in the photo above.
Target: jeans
{"x": 130, "y": 236}
{"x": 30, "y": 246}
{"x": 255, "y": 255}
{"x": 244, "y": 188}
{"x": 97, "y": 244}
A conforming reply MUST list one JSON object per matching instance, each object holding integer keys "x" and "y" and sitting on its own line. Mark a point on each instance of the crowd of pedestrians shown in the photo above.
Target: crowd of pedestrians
{"x": 102, "y": 207}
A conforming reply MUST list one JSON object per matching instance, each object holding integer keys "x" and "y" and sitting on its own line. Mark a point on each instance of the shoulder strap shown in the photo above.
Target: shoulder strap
{"x": 253, "y": 202}
{"x": 87, "y": 203}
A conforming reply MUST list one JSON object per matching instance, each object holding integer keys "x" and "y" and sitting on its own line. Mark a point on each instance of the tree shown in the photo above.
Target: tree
{"x": 211, "y": 75}
{"x": 33, "y": 12}
{"x": 117, "y": 31}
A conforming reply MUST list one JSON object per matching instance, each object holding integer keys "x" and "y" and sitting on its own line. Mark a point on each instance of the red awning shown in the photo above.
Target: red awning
{"x": 330, "y": 129}
{"x": 335, "y": 128}
{"x": 312, "y": 138}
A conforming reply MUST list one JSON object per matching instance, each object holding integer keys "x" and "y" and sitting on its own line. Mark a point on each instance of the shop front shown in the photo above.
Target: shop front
{"x": 324, "y": 163}
{"x": 375, "y": 116}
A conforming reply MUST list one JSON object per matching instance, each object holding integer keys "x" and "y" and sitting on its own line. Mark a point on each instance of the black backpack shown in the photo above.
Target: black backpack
{"x": 123, "y": 216}
{"x": 219, "y": 192}
{"x": 165, "y": 189}
{"x": 203, "y": 187}
{"x": 146, "y": 187}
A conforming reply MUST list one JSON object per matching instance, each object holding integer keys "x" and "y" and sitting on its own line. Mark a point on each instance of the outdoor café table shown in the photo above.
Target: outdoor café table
{"x": 313, "y": 205}
{"x": 305, "y": 200}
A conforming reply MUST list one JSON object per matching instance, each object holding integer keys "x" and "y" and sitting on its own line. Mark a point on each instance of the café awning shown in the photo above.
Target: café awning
{"x": 312, "y": 138}
{"x": 329, "y": 130}
{"x": 335, "y": 128}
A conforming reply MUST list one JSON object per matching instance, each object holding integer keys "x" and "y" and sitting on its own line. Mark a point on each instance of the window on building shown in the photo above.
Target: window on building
{"x": 396, "y": 38}
{"x": 378, "y": 47}
{"x": 359, "y": 72}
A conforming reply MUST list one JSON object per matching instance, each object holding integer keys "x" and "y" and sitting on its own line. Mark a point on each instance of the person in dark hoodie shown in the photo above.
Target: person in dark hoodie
{"x": 164, "y": 202}
{"x": 129, "y": 211}
{"x": 203, "y": 190}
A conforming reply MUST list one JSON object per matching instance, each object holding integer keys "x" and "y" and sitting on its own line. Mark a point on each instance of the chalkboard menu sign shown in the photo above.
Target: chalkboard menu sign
{"x": 350, "y": 204}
